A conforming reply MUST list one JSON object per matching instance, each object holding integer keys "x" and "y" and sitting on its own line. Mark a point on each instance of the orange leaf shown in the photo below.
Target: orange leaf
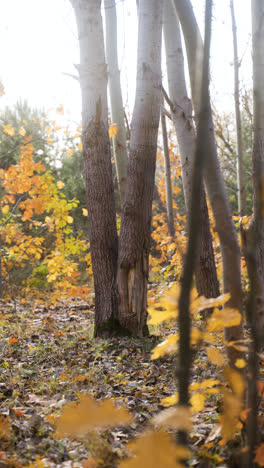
{"x": 13, "y": 340}
{"x": 78, "y": 419}
{"x": 259, "y": 458}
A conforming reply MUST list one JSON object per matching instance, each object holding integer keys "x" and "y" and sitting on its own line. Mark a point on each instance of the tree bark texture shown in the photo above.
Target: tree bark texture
{"x": 240, "y": 165}
{"x": 97, "y": 161}
{"x": 212, "y": 174}
{"x": 136, "y": 216}
{"x": 181, "y": 112}
{"x": 117, "y": 109}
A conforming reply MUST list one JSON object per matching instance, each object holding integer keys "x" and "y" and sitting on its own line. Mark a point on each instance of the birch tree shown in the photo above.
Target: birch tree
{"x": 117, "y": 109}
{"x": 137, "y": 210}
{"x": 212, "y": 173}
{"x": 181, "y": 112}
{"x": 97, "y": 161}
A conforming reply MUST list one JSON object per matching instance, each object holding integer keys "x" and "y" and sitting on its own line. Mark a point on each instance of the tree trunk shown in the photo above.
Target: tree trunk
{"x": 254, "y": 239}
{"x": 258, "y": 151}
{"x": 240, "y": 164}
{"x": 117, "y": 110}
{"x": 200, "y": 157}
{"x": 212, "y": 174}
{"x": 181, "y": 112}
{"x": 167, "y": 171}
{"x": 137, "y": 210}
{"x": 97, "y": 162}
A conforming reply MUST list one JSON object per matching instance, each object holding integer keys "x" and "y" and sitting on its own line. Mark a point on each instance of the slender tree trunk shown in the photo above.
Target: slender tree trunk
{"x": 200, "y": 159}
{"x": 258, "y": 149}
{"x": 181, "y": 112}
{"x": 254, "y": 238}
{"x": 117, "y": 109}
{"x": 240, "y": 164}
{"x": 97, "y": 161}
{"x": 212, "y": 174}
{"x": 167, "y": 175}
{"x": 137, "y": 210}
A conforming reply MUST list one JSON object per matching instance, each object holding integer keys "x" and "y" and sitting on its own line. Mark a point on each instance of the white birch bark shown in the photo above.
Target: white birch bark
{"x": 117, "y": 109}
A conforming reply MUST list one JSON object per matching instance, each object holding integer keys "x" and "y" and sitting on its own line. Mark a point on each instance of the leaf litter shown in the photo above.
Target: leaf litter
{"x": 49, "y": 359}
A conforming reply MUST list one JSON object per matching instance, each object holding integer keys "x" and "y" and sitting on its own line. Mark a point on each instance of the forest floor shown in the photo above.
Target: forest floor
{"x": 48, "y": 357}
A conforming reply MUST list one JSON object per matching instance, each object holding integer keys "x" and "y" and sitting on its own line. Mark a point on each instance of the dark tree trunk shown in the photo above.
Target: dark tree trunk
{"x": 137, "y": 210}
{"x": 181, "y": 113}
{"x": 97, "y": 162}
{"x": 213, "y": 176}
{"x": 167, "y": 171}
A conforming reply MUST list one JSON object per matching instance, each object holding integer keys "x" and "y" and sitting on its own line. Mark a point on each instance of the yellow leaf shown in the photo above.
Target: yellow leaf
{"x": 80, "y": 147}
{"x": 70, "y": 219}
{"x": 155, "y": 450}
{"x": 202, "y": 302}
{"x": 178, "y": 418}
{"x": 69, "y": 153}
{"x": 166, "y": 347}
{"x": 209, "y": 383}
{"x": 79, "y": 418}
{"x": 216, "y": 357}
{"x": 196, "y": 336}
{"x": 60, "y": 109}
{"x": 5, "y": 209}
{"x": 85, "y": 212}
{"x": 224, "y": 318}
{"x": 159, "y": 316}
{"x": 60, "y": 184}
{"x": 232, "y": 409}
{"x": 194, "y": 386}
{"x": 197, "y": 401}
{"x": 113, "y": 129}
{"x": 235, "y": 380}
{"x": 9, "y": 130}
{"x": 240, "y": 363}
{"x": 171, "y": 400}
{"x": 22, "y": 131}
{"x": 49, "y": 140}
{"x": 48, "y": 131}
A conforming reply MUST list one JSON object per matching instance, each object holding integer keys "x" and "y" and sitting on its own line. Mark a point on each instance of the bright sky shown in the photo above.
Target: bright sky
{"x": 39, "y": 45}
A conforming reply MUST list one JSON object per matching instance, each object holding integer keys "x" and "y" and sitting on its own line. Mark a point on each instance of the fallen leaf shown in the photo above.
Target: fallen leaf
{"x": 197, "y": 401}
{"x": 216, "y": 357}
{"x": 155, "y": 450}
{"x": 79, "y": 418}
